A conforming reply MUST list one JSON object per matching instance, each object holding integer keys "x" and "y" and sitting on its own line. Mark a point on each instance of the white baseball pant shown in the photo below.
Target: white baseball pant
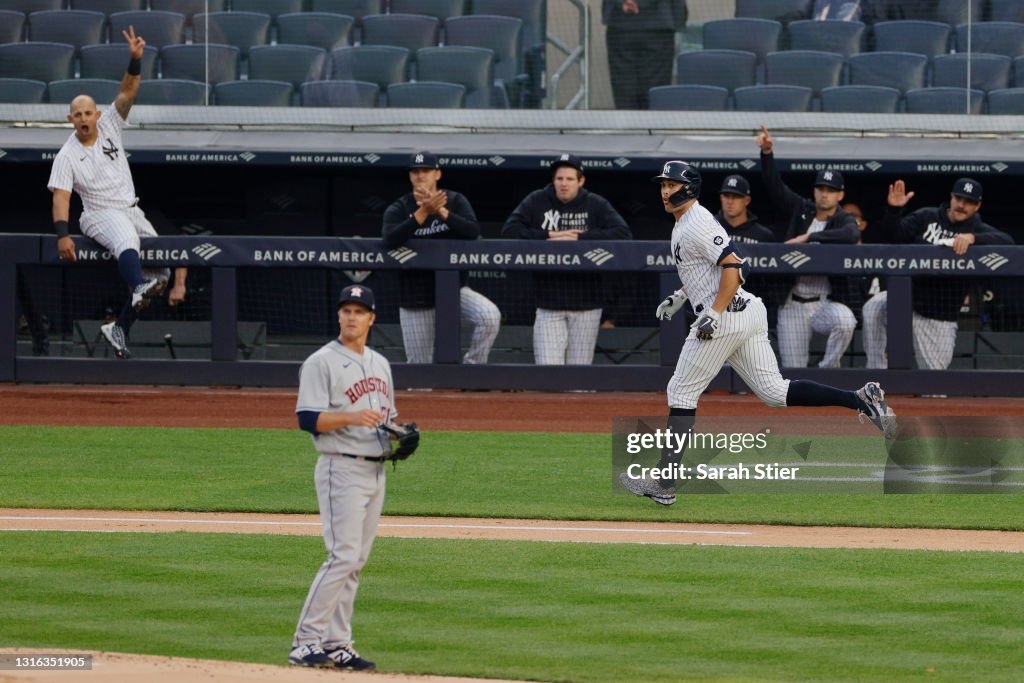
{"x": 477, "y": 310}
{"x": 742, "y": 340}
{"x": 934, "y": 340}
{"x": 117, "y": 230}
{"x": 350, "y": 493}
{"x": 565, "y": 337}
{"x": 797, "y": 321}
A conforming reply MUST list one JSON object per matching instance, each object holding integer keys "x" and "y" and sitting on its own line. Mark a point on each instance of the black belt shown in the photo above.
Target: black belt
{"x": 804, "y": 299}
{"x": 371, "y": 458}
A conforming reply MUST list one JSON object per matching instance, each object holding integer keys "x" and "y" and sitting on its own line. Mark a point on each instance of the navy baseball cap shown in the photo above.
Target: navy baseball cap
{"x": 829, "y": 178}
{"x": 360, "y": 294}
{"x": 735, "y": 184}
{"x": 423, "y": 160}
{"x": 567, "y": 159}
{"x": 968, "y": 188}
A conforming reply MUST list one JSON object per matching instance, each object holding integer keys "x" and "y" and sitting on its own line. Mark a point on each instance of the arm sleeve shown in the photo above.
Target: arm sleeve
{"x": 845, "y": 231}
{"x": 398, "y": 226}
{"x": 782, "y": 198}
{"x": 461, "y": 218}
{"x": 61, "y": 176}
{"x": 518, "y": 224}
{"x": 307, "y": 421}
{"x": 986, "y": 234}
{"x": 609, "y": 224}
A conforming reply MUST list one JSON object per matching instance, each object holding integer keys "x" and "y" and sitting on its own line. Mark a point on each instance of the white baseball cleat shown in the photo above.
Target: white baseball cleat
{"x": 651, "y": 488}
{"x": 114, "y": 334}
{"x": 144, "y": 292}
{"x": 881, "y": 415}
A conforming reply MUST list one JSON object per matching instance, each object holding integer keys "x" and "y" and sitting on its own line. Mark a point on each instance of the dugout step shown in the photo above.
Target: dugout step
{"x": 169, "y": 339}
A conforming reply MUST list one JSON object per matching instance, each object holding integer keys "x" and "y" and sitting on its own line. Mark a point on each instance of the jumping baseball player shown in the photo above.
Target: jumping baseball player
{"x": 345, "y": 396}
{"x": 568, "y": 304}
{"x": 430, "y": 213}
{"x": 812, "y": 304}
{"x": 935, "y": 300}
{"x": 732, "y": 326}
{"x": 93, "y": 163}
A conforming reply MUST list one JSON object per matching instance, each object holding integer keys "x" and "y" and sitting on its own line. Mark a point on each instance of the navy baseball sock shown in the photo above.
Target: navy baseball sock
{"x": 128, "y": 317}
{"x": 680, "y": 421}
{"x": 803, "y": 392}
{"x": 130, "y": 267}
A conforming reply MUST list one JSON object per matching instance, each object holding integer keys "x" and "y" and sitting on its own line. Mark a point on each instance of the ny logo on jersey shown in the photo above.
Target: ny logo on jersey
{"x": 935, "y": 232}
{"x": 677, "y": 253}
{"x": 110, "y": 149}
{"x": 551, "y": 220}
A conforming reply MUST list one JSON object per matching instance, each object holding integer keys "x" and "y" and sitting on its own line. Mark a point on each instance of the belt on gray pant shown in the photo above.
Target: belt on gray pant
{"x": 804, "y": 299}
{"x": 371, "y": 458}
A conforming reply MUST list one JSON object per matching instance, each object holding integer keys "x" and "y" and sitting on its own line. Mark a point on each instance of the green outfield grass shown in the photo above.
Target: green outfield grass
{"x": 489, "y": 474}
{"x": 539, "y": 611}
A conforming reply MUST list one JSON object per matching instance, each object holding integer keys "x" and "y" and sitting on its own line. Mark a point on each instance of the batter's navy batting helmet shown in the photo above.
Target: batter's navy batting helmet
{"x": 684, "y": 173}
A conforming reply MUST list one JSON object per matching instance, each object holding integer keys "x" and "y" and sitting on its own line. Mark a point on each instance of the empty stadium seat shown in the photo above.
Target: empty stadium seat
{"x": 784, "y": 11}
{"x": 901, "y": 70}
{"x": 319, "y": 29}
{"x": 729, "y": 69}
{"x": 189, "y": 62}
{"x": 688, "y": 98}
{"x": 1008, "y": 101}
{"x": 807, "y": 68}
{"x": 339, "y": 94}
{"x": 241, "y": 29}
{"x": 271, "y": 7}
{"x": 157, "y": 28}
{"x": 943, "y": 101}
{"x": 172, "y": 91}
{"x": 12, "y": 26}
{"x": 843, "y": 37}
{"x": 759, "y": 36}
{"x": 110, "y": 60}
{"x": 866, "y": 99}
{"x": 992, "y": 37}
{"x": 472, "y": 67}
{"x": 988, "y": 72}
{"x": 357, "y": 9}
{"x": 532, "y": 40}
{"x": 102, "y": 90}
{"x": 442, "y": 9}
{"x": 1006, "y": 10}
{"x": 773, "y": 98}
{"x": 109, "y": 7}
{"x": 29, "y": 6}
{"x": 189, "y": 8}
{"x": 1018, "y": 72}
{"x": 253, "y": 93}
{"x": 74, "y": 27}
{"x": 295, "y": 64}
{"x": 956, "y": 12}
{"x": 39, "y": 61}
{"x": 378, "y": 64}
{"x": 426, "y": 95}
{"x": 928, "y": 38}
{"x": 22, "y": 90}
{"x": 501, "y": 35}
{"x": 411, "y": 31}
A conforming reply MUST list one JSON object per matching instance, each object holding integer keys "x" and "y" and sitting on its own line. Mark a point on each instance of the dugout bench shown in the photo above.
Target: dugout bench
{"x": 170, "y": 339}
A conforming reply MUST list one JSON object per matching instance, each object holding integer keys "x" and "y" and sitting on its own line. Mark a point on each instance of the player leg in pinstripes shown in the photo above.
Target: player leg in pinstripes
{"x": 92, "y": 163}
{"x": 732, "y": 326}
{"x": 345, "y": 395}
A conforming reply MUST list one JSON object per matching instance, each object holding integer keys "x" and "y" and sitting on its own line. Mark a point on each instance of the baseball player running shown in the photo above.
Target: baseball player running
{"x": 430, "y": 213}
{"x": 732, "y": 326}
{"x": 92, "y": 163}
{"x": 345, "y": 395}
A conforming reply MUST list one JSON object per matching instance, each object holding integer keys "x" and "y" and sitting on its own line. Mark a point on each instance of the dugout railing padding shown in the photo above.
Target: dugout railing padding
{"x": 225, "y": 255}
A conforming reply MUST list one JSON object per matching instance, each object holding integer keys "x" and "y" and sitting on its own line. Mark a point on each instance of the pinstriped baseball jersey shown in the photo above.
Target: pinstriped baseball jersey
{"x": 335, "y": 378}
{"x": 698, "y": 243}
{"x": 98, "y": 173}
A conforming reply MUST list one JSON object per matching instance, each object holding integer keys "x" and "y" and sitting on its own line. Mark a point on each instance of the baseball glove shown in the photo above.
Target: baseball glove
{"x": 407, "y": 436}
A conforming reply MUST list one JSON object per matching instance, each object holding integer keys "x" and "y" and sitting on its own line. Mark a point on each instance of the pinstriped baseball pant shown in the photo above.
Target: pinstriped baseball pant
{"x": 117, "y": 229}
{"x": 934, "y": 340}
{"x": 742, "y": 341}
{"x": 798, "y": 320}
{"x": 350, "y": 493}
{"x": 479, "y": 311}
{"x": 565, "y": 337}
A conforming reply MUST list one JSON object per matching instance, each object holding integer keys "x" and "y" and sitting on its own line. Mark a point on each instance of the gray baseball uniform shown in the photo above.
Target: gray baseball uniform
{"x": 349, "y": 482}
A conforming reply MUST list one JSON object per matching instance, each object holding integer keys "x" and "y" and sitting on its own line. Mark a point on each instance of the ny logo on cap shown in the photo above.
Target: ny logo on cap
{"x": 968, "y": 187}
{"x": 665, "y": 170}
{"x": 827, "y": 175}
{"x": 357, "y": 292}
{"x": 564, "y": 157}
{"x": 419, "y": 159}
{"x": 732, "y": 182}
